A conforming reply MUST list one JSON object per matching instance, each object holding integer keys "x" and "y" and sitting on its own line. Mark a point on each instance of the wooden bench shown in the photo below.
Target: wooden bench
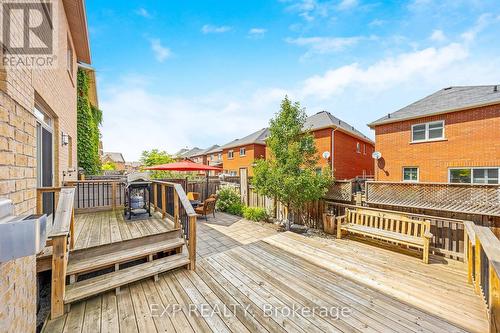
{"x": 393, "y": 227}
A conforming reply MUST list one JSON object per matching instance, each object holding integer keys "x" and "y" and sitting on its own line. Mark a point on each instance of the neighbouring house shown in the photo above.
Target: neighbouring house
{"x": 38, "y": 136}
{"x": 178, "y": 155}
{"x": 340, "y": 146}
{"x": 242, "y": 153}
{"x": 131, "y": 167}
{"x": 450, "y": 136}
{"x": 114, "y": 158}
{"x": 213, "y": 157}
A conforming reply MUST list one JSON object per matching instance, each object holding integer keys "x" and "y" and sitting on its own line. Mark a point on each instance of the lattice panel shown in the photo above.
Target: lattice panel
{"x": 340, "y": 191}
{"x": 460, "y": 198}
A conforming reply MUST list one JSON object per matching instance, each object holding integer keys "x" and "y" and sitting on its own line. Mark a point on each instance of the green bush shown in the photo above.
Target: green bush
{"x": 255, "y": 214}
{"x": 229, "y": 201}
{"x": 236, "y": 208}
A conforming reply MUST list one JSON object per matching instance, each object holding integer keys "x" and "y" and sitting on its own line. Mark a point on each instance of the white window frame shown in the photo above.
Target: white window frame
{"x": 426, "y": 139}
{"x": 364, "y": 148}
{"x": 244, "y": 152}
{"x": 230, "y": 154}
{"x": 358, "y": 147}
{"x": 410, "y": 167}
{"x": 219, "y": 156}
{"x": 472, "y": 174}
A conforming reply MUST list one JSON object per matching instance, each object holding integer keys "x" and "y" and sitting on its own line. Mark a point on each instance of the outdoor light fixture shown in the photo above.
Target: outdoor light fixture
{"x": 64, "y": 139}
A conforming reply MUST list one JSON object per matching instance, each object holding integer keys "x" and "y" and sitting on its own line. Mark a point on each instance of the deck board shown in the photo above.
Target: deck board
{"x": 245, "y": 268}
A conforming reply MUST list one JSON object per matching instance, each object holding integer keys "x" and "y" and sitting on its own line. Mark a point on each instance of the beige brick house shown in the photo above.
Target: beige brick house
{"x": 38, "y": 146}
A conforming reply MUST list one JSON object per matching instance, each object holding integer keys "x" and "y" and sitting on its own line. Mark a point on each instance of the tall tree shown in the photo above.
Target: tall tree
{"x": 88, "y": 120}
{"x": 155, "y": 157}
{"x": 290, "y": 173}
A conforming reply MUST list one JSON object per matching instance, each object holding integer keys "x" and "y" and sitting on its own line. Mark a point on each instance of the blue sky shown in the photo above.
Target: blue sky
{"x": 194, "y": 73}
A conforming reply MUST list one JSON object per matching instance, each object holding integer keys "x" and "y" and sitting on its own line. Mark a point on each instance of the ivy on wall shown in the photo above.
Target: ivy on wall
{"x": 88, "y": 120}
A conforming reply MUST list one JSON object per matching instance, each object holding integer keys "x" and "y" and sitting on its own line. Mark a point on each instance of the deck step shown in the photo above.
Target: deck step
{"x": 92, "y": 260}
{"x": 102, "y": 283}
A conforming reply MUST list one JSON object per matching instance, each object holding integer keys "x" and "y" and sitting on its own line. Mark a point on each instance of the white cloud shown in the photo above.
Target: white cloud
{"x": 323, "y": 45}
{"x": 257, "y": 32}
{"x": 377, "y": 23}
{"x": 161, "y": 52}
{"x": 438, "y": 36}
{"x": 482, "y": 22}
{"x": 385, "y": 73}
{"x": 143, "y": 12}
{"x": 347, "y": 4}
{"x": 213, "y": 29}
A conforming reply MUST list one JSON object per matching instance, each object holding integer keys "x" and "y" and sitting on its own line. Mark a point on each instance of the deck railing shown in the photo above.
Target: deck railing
{"x": 171, "y": 200}
{"x": 98, "y": 194}
{"x": 483, "y": 259}
{"x": 60, "y": 235}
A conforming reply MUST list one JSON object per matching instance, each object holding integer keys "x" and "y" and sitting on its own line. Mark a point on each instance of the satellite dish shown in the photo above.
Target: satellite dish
{"x": 377, "y": 155}
{"x": 326, "y": 155}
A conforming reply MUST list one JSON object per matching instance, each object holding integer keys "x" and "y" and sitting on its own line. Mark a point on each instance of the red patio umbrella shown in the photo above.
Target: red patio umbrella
{"x": 185, "y": 165}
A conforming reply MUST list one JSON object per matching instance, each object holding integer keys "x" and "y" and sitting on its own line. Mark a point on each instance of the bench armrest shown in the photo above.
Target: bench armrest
{"x": 340, "y": 219}
{"x": 428, "y": 234}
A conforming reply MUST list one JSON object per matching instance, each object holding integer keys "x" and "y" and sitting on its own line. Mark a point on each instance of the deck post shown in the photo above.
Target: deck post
{"x": 59, "y": 262}
{"x": 477, "y": 277}
{"x": 494, "y": 300}
{"x": 72, "y": 230}
{"x": 176, "y": 209}
{"x": 155, "y": 196}
{"x": 163, "y": 200}
{"x": 192, "y": 242}
{"x": 113, "y": 195}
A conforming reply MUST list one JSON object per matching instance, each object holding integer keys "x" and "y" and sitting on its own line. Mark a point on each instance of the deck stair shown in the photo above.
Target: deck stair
{"x": 151, "y": 255}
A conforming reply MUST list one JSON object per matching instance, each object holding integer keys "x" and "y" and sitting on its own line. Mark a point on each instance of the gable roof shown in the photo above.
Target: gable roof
{"x": 325, "y": 119}
{"x": 446, "y": 100}
{"x": 115, "y": 157}
{"x": 192, "y": 152}
{"x": 212, "y": 149}
{"x": 258, "y": 137}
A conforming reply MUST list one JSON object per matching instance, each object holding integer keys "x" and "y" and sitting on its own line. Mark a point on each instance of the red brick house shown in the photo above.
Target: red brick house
{"x": 451, "y": 136}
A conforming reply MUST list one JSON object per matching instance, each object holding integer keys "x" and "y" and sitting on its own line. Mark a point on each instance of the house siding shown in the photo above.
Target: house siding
{"x": 253, "y": 152}
{"x": 472, "y": 139}
{"x": 348, "y": 163}
{"x": 19, "y": 89}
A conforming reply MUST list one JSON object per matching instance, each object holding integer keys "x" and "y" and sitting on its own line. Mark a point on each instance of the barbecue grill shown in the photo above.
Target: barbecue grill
{"x": 137, "y": 195}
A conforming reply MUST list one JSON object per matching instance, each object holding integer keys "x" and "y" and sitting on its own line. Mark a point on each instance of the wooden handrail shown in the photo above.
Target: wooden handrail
{"x": 179, "y": 196}
{"x": 483, "y": 257}
{"x": 93, "y": 181}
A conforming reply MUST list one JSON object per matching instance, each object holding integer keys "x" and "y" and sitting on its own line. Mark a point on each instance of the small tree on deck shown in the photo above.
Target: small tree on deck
{"x": 290, "y": 173}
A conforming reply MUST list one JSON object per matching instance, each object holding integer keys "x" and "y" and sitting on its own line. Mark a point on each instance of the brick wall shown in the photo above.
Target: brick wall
{"x": 19, "y": 89}
{"x": 348, "y": 162}
{"x": 252, "y": 153}
{"x": 472, "y": 138}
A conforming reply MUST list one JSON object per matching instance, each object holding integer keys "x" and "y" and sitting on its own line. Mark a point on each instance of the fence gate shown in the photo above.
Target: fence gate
{"x": 244, "y": 185}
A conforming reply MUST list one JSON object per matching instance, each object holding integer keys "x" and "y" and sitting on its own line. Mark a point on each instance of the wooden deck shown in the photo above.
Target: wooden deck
{"x": 251, "y": 278}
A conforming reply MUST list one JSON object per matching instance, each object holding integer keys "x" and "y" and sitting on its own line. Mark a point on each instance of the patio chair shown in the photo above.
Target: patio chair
{"x": 193, "y": 196}
{"x": 207, "y": 207}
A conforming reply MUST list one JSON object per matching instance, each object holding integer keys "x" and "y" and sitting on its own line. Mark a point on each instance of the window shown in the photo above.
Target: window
{"x": 474, "y": 175}
{"x": 428, "y": 131}
{"x": 211, "y": 157}
{"x": 410, "y": 174}
{"x": 243, "y": 152}
{"x": 69, "y": 58}
{"x": 358, "y": 147}
{"x": 220, "y": 156}
{"x": 230, "y": 154}
{"x": 364, "y": 148}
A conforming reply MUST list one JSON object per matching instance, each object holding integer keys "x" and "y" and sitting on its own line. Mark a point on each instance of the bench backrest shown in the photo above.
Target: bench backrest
{"x": 396, "y": 222}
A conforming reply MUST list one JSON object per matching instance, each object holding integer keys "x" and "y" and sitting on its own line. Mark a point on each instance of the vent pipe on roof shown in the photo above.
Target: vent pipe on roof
{"x": 388, "y": 115}
{"x": 495, "y": 88}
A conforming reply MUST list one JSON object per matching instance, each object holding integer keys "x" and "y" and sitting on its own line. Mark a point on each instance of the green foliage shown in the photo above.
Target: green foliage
{"x": 255, "y": 214}
{"x": 229, "y": 201}
{"x": 108, "y": 166}
{"x": 156, "y": 157}
{"x": 88, "y": 120}
{"x": 290, "y": 175}
{"x": 236, "y": 209}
